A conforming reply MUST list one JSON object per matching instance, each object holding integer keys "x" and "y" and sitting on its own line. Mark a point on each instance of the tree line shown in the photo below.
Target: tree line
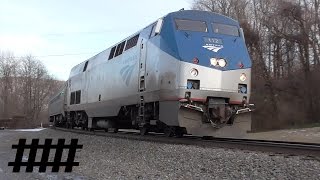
{"x": 25, "y": 88}
{"x": 282, "y": 37}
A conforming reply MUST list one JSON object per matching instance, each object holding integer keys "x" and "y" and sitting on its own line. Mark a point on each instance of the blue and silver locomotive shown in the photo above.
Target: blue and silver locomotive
{"x": 187, "y": 73}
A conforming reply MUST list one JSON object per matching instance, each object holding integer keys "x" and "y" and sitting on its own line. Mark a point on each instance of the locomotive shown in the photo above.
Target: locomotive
{"x": 188, "y": 72}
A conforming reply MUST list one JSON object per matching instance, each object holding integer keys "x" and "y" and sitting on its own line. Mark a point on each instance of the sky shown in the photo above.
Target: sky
{"x": 63, "y": 33}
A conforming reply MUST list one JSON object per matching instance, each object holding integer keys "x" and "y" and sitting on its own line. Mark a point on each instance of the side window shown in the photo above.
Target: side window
{"x": 156, "y": 28}
{"x": 152, "y": 33}
{"x": 72, "y": 98}
{"x": 119, "y": 48}
{"x": 132, "y": 42}
{"x": 123, "y": 46}
{"x": 85, "y": 66}
{"x": 112, "y": 52}
{"x": 78, "y": 97}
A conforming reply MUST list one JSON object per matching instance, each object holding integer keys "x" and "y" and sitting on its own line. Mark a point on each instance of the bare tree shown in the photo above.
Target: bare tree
{"x": 25, "y": 88}
{"x": 37, "y": 85}
{"x": 8, "y": 70}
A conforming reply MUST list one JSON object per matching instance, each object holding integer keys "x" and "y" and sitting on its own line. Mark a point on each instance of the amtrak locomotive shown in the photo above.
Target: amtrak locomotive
{"x": 187, "y": 73}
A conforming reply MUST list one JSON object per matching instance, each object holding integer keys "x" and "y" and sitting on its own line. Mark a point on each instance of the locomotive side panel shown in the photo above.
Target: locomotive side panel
{"x": 169, "y": 83}
{"x": 112, "y": 84}
{"x": 75, "y": 87}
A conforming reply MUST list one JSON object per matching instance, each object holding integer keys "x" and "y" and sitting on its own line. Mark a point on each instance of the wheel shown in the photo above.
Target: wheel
{"x": 55, "y": 123}
{"x": 58, "y": 119}
{"x": 115, "y": 130}
{"x": 144, "y": 130}
{"x": 169, "y": 131}
{"x": 83, "y": 127}
{"x": 179, "y": 134}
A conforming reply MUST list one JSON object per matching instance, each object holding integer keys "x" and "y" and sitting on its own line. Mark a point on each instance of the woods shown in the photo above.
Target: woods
{"x": 283, "y": 41}
{"x": 25, "y": 88}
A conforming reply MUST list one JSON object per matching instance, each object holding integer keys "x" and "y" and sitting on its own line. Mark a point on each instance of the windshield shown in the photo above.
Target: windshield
{"x": 190, "y": 25}
{"x": 225, "y": 29}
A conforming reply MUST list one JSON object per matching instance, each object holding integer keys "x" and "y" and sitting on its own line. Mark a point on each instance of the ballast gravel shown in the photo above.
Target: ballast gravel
{"x": 116, "y": 158}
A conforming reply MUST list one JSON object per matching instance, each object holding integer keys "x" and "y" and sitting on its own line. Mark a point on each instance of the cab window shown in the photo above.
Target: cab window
{"x": 191, "y": 25}
{"x": 225, "y": 29}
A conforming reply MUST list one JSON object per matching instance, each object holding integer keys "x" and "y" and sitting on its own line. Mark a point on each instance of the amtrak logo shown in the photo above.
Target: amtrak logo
{"x": 213, "y": 47}
{"x": 126, "y": 73}
{"x": 212, "y": 44}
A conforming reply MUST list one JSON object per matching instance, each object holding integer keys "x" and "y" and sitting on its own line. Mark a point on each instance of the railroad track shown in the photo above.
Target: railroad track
{"x": 273, "y": 147}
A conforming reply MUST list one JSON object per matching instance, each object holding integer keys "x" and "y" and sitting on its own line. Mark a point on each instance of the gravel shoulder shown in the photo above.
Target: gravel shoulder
{"x": 310, "y": 135}
{"x": 114, "y": 158}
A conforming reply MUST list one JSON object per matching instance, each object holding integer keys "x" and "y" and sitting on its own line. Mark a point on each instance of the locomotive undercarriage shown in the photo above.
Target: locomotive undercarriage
{"x": 129, "y": 117}
{"x": 71, "y": 119}
{"x": 146, "y": 119}
{"x": 193, "y": 117}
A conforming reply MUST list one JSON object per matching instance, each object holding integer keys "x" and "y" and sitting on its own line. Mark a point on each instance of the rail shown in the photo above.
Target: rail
{"x": 273, "y": 147}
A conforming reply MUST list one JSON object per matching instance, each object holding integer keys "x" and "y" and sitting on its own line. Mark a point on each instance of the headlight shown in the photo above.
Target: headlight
{"x": 243, "y": 90}
{"x": 243, "y": 77}
{"x": 213, "y": 61}
{"x": 218, "y": 62}
{"x": 222, "y": 62}
{"x": 194, "y": 72}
